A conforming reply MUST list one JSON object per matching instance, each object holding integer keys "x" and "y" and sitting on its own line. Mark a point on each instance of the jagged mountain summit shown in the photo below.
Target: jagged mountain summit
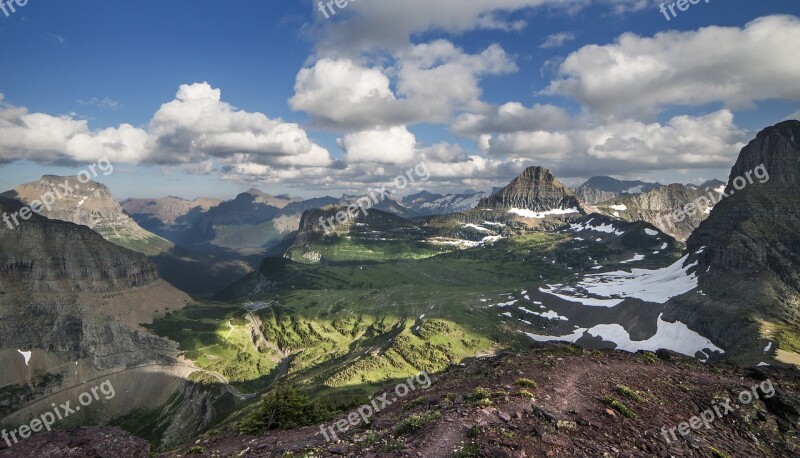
{"x": 535, "y": 193}
{"x": 279, "y": 201}
{"x": 747, "y": 254}
{"x": 89, "y": 204}
{"x": 602, "y": 188}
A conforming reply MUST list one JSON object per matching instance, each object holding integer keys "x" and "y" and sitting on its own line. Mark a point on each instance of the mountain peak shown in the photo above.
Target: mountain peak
{"x": 535, "y": 189}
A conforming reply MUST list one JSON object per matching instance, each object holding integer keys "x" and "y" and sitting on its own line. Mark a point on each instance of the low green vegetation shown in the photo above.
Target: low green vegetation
{"x": 526, "y": 382}
{"x": 629, "y": 393}
{"x": 415, "y": 422}
{"x": 219, "y": 338}
{"x": 284, "y": 408}
{"x": 619, "y": 407}
{"x": 787, "y": 338}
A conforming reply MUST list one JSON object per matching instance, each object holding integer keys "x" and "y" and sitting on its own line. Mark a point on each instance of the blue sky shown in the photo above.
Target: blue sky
{"x": 416, "y": 83}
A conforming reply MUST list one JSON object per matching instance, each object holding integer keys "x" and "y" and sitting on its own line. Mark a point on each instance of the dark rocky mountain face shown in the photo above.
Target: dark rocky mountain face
{"x": 537, "y": 189}
{"x": 75, "y": 302}
{"x": 602, "y": 188}
{"x": 748, "y": 252}
{"x": 53, "y": 256}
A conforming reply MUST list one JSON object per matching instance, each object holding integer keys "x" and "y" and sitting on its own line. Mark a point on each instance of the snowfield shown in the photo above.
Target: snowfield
{"x": 657, "y": 286}
{"x": 541, "y": 215}
{"x": 676, "y": 337}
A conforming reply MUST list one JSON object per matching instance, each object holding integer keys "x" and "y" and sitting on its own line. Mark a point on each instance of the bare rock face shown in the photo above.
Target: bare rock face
{"x": 89, "y": 204}
{"x": 593, "y": 196}
{"x": 536, "y": 189}
{"x": 658, "y": 206}
{"x": 748, "y": 251}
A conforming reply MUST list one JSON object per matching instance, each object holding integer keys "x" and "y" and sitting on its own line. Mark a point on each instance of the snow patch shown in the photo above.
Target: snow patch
{"x": 525, "y": 213}
{"x": 588, "y": 301}
{"x": 605, "y": 228}
{"x": 636, "y": 258}
{"x": 26, "y": 355}
{"x": 477, "y": 228}
{"x": 676, "y": 337}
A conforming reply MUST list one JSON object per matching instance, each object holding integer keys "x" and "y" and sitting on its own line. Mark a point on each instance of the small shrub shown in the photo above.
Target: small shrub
{"x": 196, "y": 450}
{"x": 478, "y": 394}
{"x": 650, "y": 357}
{"x": 527, "y": 383}
{"x": 484, "y": 403}
{"x": 619, "y": 407}
{"x": 414, "y": 423}
{"x": 369, "y": 439}
{"x": 525, "y": 394}
{"x": 629, "y": 393}
{"x": 475, "y": 431}
{"x": 411, "y": 404}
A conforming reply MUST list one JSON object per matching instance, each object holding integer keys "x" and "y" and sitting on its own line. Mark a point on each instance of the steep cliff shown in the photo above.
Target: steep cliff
{"x": 748, "y": 253}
